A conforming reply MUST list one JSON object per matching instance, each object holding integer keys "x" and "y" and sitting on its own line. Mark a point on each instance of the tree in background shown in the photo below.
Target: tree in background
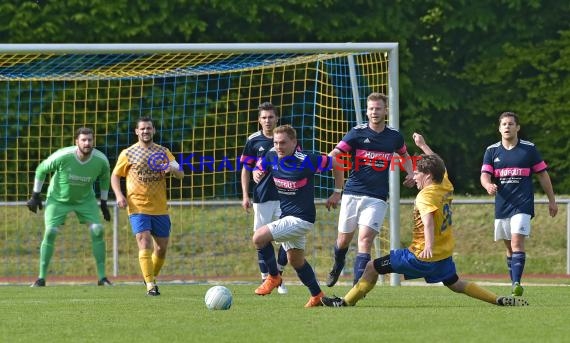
{"x": 461, "y": 62}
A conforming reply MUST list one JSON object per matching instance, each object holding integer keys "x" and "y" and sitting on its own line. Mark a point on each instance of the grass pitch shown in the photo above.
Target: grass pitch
{"x": 123, "y": 313}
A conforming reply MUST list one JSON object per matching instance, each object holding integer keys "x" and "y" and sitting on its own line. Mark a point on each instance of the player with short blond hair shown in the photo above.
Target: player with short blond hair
{"x": 363, "y": 203}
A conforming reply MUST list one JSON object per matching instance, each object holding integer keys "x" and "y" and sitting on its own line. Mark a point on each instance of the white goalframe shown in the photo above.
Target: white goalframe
{"x": 393, "y": 90}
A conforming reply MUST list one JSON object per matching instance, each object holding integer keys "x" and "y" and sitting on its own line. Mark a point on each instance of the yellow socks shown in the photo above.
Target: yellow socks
{"x": 147, "y": 268}
{"x": 158, "y": 263}
{"x": 358, "y": 292}
{"x": 475, "y": 291}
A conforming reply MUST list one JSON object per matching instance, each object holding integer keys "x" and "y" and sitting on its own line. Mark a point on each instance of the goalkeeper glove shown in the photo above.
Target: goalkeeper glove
{"x": 35, "y": 202}
{"x": 105, "y": 210}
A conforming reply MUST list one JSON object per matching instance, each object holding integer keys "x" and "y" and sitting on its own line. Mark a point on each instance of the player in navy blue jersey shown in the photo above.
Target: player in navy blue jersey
{"x": 507, "y": 172}
{"x": 293, "y": 173}
{"x": 265, "y": 200}
{"x": 370, "y": 152}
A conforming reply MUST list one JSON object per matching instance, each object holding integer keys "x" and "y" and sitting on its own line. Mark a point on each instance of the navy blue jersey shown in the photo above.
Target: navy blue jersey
{"x": 512, "y": 172}
{"x": 293, "y": 177}
{"x": 256, "y": 146}
{"x": 371, "y": 154}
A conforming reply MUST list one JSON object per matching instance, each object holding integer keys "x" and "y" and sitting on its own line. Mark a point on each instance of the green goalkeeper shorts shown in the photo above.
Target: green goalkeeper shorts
{"x": 56, "y": 212}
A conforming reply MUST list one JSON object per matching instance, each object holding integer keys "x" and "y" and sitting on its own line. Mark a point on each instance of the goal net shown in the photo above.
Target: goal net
{"x": 203, "y": 99}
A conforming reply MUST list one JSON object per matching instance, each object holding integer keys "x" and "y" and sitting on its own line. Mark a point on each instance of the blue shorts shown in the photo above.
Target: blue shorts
{"x": 158, "y": 225}
{"x": 404, "y": 262}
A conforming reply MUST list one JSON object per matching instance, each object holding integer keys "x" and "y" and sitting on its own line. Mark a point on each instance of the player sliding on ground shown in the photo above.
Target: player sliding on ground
{"x": 430, "y": 254}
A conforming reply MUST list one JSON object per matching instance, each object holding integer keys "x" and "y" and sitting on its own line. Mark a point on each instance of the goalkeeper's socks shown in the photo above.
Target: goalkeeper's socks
{"x": 99, "y": 249}
{"x": 46, "y": 251}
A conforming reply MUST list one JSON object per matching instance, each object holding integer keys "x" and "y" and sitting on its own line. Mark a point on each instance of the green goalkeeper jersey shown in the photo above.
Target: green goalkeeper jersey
{"x": 72, "y": 180}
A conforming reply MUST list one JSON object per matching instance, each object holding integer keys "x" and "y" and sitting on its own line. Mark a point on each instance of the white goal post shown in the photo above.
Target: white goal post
{"x": 13, "y": 54}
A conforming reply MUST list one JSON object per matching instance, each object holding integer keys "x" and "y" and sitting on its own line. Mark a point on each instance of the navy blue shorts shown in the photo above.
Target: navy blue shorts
{"x": 404, "y": 262}
{"x": 158, "y": 225}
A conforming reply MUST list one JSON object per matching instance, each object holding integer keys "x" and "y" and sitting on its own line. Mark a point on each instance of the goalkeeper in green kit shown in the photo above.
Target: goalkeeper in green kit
{"x": 74, "y": 171}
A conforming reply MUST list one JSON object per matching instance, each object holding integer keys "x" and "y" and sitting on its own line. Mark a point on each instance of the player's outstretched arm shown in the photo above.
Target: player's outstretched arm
{"x": 421, "y": 143}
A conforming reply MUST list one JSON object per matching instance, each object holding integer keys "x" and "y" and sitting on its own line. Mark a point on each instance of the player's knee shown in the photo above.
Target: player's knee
{"x": 96, "y": 231}
{"x": 454, "y": 284}
{"x": 50, "y": 234}
{"x": 517, "y": 246}
{"x": 343, "y": 240}
{"x": 261, "y": 237}
{"x": 365, "y": 241}
{"x": 258, "y": 241}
